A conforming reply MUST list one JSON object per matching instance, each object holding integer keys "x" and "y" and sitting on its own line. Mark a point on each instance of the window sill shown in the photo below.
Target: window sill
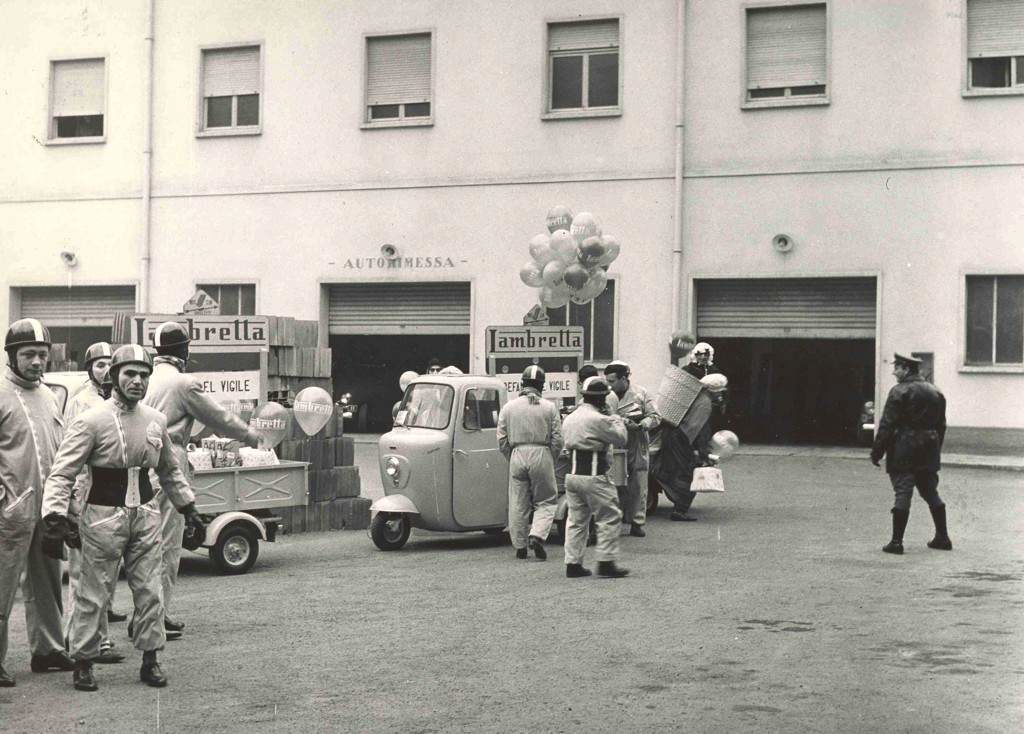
{"x": 77, "y": 141}
{"x": 578, "y": 114}
{"x": 229, "y": 132}
{"x": 992, "y": 92}
{"x": 416, "y": 122}
{"x": 998, "y": 369}
{"x": 760, "y": 104}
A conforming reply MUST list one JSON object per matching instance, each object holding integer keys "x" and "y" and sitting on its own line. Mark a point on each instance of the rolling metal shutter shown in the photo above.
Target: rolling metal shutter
{"x": 77, "y": 306}
{"x": 78, "y": 88}
{"x": 398, "y": 70}
{"x": 399, "y": 308}
{"x": 585, "y": 35}
{"x": 786, "y": 47}
{"x": 995, "y": 28}
{"x": 819, "y": 308}
{"x": 231, "y": 71}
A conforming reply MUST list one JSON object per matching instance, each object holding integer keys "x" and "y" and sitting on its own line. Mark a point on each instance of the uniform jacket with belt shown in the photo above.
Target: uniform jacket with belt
{"x": 87, "y": 396}
{"x": 180, "y": 397}
{"x": 636, "y": 401}
{"x": 529, "y": 419}
{"x": 589, "y": 429}
{"x": 31, "y": 428}
{"x": 115, "y": 436}
{"x": 912, "y": 427}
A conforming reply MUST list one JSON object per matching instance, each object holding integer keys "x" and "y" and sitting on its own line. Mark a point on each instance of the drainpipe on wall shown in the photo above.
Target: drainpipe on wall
{"x": 677, "y": 240}
{"x": 147, "y": 167}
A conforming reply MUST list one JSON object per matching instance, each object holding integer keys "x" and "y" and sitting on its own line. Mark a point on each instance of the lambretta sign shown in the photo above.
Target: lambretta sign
{"x": 558, "y": 349}
{"x": 219, "y": 333}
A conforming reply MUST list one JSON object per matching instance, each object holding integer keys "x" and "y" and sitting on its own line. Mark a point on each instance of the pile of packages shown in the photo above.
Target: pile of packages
{"x": 219, "y": 453}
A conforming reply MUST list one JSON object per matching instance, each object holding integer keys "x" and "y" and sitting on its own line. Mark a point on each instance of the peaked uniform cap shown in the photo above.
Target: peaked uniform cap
{"x": 24, "y": 332}
{"x": 617, "y": 367}
{"x": 170, "y": 334}
{"x": 533, "y": 373}
{"x": 903, "y": 359}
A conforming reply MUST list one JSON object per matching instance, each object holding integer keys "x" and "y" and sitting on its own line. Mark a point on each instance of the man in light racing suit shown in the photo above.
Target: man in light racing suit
{"x": 30, "y": 431}
{"x": 530, "y": 436}
{"x": 95, "y": 390}
{"x": 588, "y": 432}
{"x": 181, "y": 399}
{"x": 120, "y": 440}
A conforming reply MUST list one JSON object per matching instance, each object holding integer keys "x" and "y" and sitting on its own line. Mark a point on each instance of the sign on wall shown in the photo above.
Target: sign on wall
{"x": 558, "y": 350}
{"x": 208, "y": 333}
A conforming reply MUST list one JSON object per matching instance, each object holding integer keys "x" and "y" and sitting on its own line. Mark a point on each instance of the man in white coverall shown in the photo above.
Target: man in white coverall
{"x": 530, "y": 436}
{"x": 30, "y": 431}
{"x": 181, "y": 399}
{"x": 637, "y": 408}
{"x": 120, "y": 441}
{"x": 91, "y": 394}
{"x": 589, "y": 432}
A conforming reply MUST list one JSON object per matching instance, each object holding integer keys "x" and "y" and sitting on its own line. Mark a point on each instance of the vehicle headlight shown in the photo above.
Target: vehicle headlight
{"x": 392, "y": 467}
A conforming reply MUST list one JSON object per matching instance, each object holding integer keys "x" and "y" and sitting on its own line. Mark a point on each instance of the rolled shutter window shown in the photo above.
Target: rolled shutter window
{"x": 231, "y": 72}
{"x": 78, "y": 88}
{"x": 995, "y": 28}
{"x": 595, "y": 34}
{"x": 398, "y": 70}
{"x": 786, "y": 47}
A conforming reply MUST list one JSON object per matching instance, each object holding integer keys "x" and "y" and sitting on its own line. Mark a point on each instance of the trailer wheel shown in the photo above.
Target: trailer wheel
{"x": 236, "y": 550}
{"x": 390, "y": 530}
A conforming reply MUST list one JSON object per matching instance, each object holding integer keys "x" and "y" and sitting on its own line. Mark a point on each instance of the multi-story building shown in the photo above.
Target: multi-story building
{"x": 808, "y": 186}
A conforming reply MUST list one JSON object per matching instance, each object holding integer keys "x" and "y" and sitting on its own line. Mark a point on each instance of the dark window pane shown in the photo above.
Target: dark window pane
{"x": 603, "y": 83}
{"x": 767, "y": 93}
{"x": 580, "y": 316}
{"x": 218, "y": 112}
{"x": 247, "y": 307}
{"x": 604, "y": 323}
{"x": 80, "y": 126}
{"x": 384, "y": 112}
{"x": 803, "y": 91}
{"x": 1010, "y": 320}
{"x": 990, "y": 72}
{"x": 556, "y": 316}
{"x": 979, "y": 319}
{"x": 229, "y": 300}
{"x": 249, "y": 109}
{"x": 566, "y": 82}
{"x": 1018, "y": 62}
{"x": 418, "y": 109}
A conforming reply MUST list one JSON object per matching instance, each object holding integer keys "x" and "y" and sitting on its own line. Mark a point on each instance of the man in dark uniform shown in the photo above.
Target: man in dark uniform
{"x": 910, "y": 436}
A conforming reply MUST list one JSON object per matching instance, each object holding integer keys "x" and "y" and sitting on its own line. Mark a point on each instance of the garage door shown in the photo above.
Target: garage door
{"x": 78, "y": 305}
{"x": 399, "y": 308}
{"x": 813, "y": 308}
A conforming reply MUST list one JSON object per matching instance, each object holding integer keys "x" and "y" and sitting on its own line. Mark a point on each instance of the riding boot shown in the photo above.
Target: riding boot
{"x": 941, "y": 540}
{"x": 899, "y": 526}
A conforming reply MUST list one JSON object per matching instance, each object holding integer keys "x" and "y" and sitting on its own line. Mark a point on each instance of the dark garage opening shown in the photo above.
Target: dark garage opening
{"x": 796, "y": 391}
{"x": 368, "y": 366}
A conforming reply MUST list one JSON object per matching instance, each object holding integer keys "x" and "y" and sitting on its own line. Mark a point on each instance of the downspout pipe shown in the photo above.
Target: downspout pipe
{"x": 147, "y": 168}
{"x": 680, "y": 166}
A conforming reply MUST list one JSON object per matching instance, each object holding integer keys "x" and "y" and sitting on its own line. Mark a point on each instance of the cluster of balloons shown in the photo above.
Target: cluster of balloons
{"x": 312, "y": 408}
{"x": 570, "y": 261}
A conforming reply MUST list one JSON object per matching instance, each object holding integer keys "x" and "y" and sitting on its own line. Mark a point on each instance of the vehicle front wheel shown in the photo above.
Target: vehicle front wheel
{"x": 236, "y": 549}
{"x": 389, "y": 530}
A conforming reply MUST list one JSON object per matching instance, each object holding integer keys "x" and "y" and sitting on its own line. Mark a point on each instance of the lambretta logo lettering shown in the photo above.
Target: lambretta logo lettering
{"x": 207, "y": 331}
{"x": 268, "y": 424}
{"x": 304, "y": 406}
{"x": 536, "y": 340}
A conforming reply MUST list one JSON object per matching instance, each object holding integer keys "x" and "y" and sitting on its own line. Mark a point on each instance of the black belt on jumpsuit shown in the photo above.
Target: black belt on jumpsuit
{"x": 110, "y": 486}
{"x": 588, "y": 463}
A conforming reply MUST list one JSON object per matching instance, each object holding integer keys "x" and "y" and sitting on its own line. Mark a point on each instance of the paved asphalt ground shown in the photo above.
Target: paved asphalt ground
{"x": 776, "y": 612}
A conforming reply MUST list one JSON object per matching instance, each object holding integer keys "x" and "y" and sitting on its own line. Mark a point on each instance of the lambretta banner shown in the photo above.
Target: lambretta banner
{"x": 556, "y": 349}
{"x": 219, "y": 333}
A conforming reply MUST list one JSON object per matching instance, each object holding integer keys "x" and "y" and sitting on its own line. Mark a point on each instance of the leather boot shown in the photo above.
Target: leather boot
{"x": 537, "y": 546}
{"x": 56, "y": 660}
{"x": 941, "y": 540}
{"x": 576, "y": 571}
{"x": 610, "y": 570}
{"x": 172, "y": 626}
{"x": 150, "y": 673}
{"x": 6, "y": 679}
{"x": 113, "y": 616}
{"x": 83, "y": 678}
{"x": 521, "y": 554}
{"x": 899, "y": 526}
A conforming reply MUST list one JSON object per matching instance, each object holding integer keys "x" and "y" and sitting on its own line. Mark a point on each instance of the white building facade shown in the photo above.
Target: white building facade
{"x": 286, "y": 144}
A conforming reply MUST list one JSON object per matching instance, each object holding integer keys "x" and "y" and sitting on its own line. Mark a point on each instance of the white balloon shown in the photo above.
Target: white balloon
{"x": 554, "y": 273}
{"x": 724, "y": 444}
{"x": 564, "y": 246}
{"x": 407, "y": 377}
{"x": 540, "y": 249}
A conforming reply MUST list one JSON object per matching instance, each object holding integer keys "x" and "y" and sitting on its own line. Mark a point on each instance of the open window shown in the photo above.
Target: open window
{"x": 481, "y": 411}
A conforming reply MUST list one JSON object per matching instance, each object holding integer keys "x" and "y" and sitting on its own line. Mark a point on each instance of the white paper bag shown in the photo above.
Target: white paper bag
{"x": 707, "y": 479}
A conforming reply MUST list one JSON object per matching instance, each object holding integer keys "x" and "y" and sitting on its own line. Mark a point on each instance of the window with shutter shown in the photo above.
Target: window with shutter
{"x": 583, "y": 68}
{"x": 235, "y": 299}
{"x": 995, "y": 46}
{"x": 398, "y": 80}
{"x": 787, "y": 55}
{"x": 77, "y": 100}
{"x": 231, "y": 88}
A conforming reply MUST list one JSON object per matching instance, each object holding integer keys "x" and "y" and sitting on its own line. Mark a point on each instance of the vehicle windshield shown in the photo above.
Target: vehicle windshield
{"x": 428, "y": 405}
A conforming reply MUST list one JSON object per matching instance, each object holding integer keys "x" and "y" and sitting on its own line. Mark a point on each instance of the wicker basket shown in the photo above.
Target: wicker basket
{"x": 676, "y": 394}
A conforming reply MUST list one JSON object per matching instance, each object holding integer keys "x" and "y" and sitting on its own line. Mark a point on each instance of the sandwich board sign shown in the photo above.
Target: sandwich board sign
{"x": 558, "y": 350}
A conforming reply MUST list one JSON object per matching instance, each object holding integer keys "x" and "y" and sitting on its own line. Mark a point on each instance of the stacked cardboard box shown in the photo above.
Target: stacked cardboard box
{"x": 295, "y": 360}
